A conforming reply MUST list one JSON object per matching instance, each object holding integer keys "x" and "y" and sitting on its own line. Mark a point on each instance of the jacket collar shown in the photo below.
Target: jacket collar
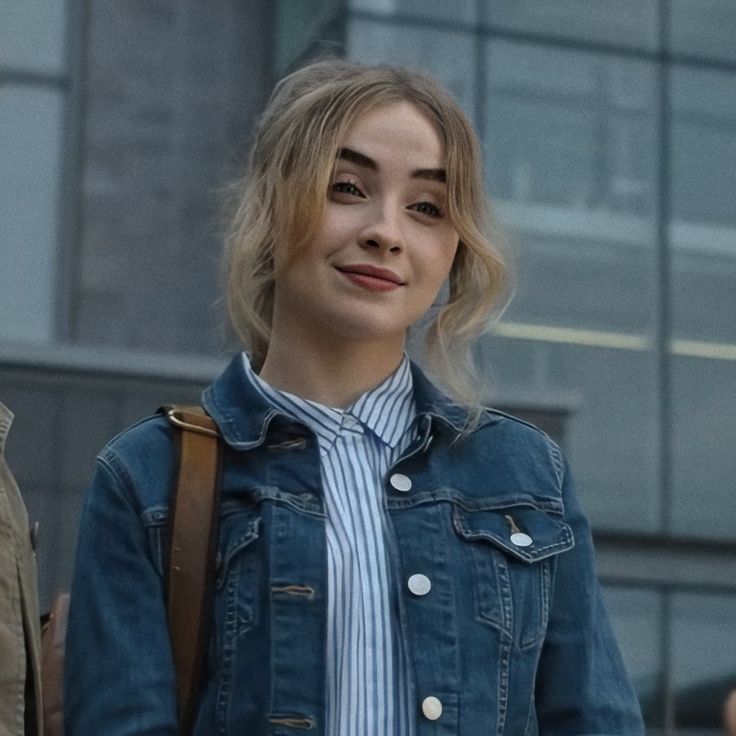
{"x": 244, "y": 416}
{"x": 439, "y": 409}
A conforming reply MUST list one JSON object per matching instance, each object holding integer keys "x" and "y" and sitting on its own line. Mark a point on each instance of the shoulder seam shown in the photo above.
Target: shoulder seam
{"x": 556, "y": 457}
{"x": 114, "y": 440}
{"x": 109, "y": 462}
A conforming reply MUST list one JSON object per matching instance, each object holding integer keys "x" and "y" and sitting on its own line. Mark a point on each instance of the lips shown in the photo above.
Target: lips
{"x": 372, "y": 272}
{"x": 371, "y": 278}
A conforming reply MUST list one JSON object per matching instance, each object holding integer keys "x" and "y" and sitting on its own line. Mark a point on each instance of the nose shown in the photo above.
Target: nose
{"x": 383, "y": 230}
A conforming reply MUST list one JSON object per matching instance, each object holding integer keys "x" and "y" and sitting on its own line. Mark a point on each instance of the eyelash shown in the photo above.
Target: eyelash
{"x": 422, "y": 208}
{"x": 429, "y": 209}
{"x": 342, "y": 187}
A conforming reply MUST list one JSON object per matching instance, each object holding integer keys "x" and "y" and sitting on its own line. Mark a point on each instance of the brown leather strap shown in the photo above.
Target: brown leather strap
{"x": 193, "y": 524}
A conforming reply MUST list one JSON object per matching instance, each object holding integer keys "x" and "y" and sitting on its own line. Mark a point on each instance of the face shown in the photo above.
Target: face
{"x": 386, "y": 243}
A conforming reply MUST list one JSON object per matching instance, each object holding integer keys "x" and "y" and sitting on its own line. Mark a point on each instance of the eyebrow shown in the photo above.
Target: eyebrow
{"x": 348, "y": 154}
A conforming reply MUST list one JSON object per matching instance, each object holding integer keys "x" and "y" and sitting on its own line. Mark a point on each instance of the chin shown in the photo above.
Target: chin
{"x": 370, "y": 331}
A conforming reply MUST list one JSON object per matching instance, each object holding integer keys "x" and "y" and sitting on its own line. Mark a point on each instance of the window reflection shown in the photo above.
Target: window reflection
{"x": 703, "y": 28}
{"x": 704, "y": 438}
{"x": 303, "y": 27}
{"x": 611, "y": 419}
{"x": 32, "y": 36}
{"x": 703, "y": 236}
{"x": 30, "y": 165}
{"x": 703, "y": 146}
{"x": 462, "y": 10}
{"x": 570, "y": 129}
{"x": 625, "y": 22}
{"x": 703, "y": 659}
{"x": 570, "y": 140}
{"x": 636, "y": 617}
{"x": 447, "y": 55}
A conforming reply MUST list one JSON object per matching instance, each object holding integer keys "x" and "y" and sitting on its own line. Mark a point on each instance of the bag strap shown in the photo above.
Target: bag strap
{"x": 193, "y": 525}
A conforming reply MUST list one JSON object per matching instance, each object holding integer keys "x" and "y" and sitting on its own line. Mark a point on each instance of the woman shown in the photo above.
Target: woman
{"x": 391, "y": 561}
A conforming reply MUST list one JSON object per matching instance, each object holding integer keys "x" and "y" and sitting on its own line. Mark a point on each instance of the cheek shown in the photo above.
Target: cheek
{"x": 443, "y": 263}
{"x": 437, "y": 290}
{"x": 337, "y": 222}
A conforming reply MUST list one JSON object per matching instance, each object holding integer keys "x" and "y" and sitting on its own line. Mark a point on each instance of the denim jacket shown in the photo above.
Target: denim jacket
{"x": 512, "y": 637}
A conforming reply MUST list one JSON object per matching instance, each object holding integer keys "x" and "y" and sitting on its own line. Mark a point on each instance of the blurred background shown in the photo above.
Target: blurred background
{"x": 609, "y": 132}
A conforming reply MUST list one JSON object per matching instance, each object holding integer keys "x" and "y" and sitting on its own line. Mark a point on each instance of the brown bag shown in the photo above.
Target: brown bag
{"x": 190, "y": 588}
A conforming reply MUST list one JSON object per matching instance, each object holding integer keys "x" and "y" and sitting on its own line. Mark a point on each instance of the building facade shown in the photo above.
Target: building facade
{"x": 609, "y": 134}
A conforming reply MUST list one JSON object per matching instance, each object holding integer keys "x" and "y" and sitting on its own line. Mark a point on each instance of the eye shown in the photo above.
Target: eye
{"x": 427, "y": 208}
{"x": 346, "y": 187}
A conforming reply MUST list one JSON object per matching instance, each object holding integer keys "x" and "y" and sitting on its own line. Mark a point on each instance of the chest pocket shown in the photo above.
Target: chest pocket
{"x": 512, "y": 553}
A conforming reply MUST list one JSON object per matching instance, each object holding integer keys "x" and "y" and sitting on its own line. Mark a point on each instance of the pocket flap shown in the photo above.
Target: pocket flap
{"x": 524, "y": 532}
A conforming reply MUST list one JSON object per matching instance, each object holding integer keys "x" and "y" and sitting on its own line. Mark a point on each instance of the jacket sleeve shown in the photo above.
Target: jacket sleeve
{"x": 582, "y": 685}
{"x": 119, "y": 676}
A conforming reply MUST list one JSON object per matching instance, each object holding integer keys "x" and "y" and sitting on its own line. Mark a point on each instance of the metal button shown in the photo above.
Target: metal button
{"x": 419, "y": 584}
{"x": 400, "y": 482}
{"x": 517, "y": 536}
{"x": 521, "y": 540}
{"x": 432, "y": 708}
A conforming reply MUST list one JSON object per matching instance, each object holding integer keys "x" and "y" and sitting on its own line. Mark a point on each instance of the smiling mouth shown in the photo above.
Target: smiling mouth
{"x": 371, "y": 278}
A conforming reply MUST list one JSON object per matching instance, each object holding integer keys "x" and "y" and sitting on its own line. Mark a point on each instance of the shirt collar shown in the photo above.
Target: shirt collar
{"x": 386, "y": 410}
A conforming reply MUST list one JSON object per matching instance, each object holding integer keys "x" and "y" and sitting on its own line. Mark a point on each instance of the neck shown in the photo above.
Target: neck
{"x": 334, "y": 375}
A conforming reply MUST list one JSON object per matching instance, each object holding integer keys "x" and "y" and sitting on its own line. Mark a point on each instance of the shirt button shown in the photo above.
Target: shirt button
{"x": 400, "y": 482}
{"x": 432, "y": 708}
{"x": 521, "y": 540}
{"x": 419, "y": 584}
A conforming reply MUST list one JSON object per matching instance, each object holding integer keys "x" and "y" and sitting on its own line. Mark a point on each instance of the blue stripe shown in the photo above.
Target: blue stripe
{"x": 367, "y": 673}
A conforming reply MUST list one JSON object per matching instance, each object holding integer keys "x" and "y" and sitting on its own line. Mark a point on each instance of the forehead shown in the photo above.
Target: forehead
{"x": 396, "y": 127}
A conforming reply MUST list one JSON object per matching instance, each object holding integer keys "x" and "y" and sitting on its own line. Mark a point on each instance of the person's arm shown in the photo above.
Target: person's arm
{"x": 582, "y": 685}
{"x": 119, "y": 676}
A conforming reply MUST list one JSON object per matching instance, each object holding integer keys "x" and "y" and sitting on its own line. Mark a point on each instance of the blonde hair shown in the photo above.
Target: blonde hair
{"x": 282, "y": 198}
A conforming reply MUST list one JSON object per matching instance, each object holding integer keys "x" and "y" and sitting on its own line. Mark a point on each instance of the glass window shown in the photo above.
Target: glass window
{"x": 572, "y": 129}
{"x": 570, "y": 139}
{"x": 611, "y": 433}
{"x": 704, "y": 146}
{"x": 32, "y": 36}
{"x": 630, "y": 23}
{"x": 636, "y": 617}
{"x": 30, "y": 129}
{"x": 703, "y": 454}
{"x": 302, "y": 26}
{"x": 703, "y": 659}
{"x": 462, "y": 10}
{"x": 703, "y": 237}
{"x": 447, "y": 55}
{"x": 704, "y": 28}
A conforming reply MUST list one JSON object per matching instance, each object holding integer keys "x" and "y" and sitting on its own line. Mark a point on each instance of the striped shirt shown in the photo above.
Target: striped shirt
{"x": 367, "y": 675}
